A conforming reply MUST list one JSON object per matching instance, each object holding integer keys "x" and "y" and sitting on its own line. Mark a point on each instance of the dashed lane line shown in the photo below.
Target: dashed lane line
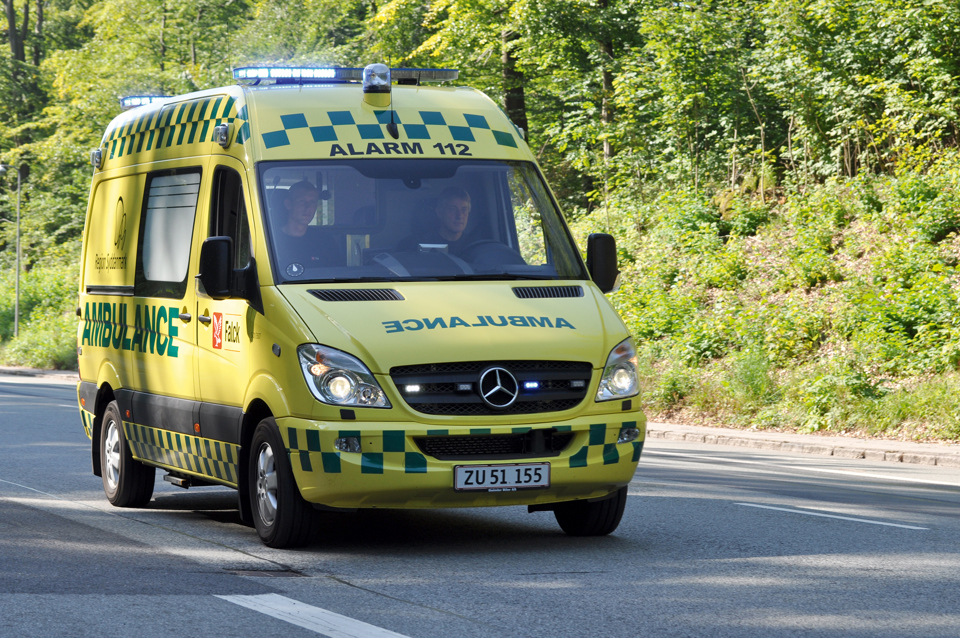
{"x": 842, "y": 518}
{"x": 309, "y": 617}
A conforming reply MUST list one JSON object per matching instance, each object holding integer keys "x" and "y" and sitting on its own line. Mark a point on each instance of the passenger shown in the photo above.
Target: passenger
{"x": 453, "y": 214}
{"x": 300, "y": 243}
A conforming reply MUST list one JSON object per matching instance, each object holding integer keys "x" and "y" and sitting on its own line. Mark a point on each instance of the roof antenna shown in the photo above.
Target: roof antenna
{"x": 392, "y": 126}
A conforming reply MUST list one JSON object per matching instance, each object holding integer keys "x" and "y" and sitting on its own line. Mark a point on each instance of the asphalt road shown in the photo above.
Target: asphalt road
{"x": 715, "y": 542}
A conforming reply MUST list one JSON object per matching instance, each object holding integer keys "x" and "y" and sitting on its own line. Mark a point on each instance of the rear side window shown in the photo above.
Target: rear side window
{"x": 166, "y": 229}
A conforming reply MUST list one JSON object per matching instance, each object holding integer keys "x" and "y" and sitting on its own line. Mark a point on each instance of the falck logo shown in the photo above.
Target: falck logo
{"x": 498, "y": 388}
{"x": 218, "y": 330}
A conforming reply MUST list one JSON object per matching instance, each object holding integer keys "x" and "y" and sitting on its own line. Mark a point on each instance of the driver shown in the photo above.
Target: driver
{"x": 453, "y": 213}
{"x": 300, "y": 245}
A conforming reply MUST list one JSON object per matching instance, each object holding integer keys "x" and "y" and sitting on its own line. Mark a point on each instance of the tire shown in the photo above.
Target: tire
{"x": 126, "y": 482}
{"x": 599, "y": 518}
{"x": 281, "y": 516}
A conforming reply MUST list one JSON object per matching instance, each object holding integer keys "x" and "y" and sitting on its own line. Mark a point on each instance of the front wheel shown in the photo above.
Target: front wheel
{"x": 599, "y": 518}
{"x": 281, "y": 516}
{"x": 126, "y": 482}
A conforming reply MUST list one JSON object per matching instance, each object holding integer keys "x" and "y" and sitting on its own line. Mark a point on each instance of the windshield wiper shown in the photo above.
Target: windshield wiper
{"x": 497, "y": 276}
{"x": 348, "y": 280}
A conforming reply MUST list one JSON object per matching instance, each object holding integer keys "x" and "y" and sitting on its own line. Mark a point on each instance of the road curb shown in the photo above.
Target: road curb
{"x": 38, "y": 373}
{"x": 840, "y": 451}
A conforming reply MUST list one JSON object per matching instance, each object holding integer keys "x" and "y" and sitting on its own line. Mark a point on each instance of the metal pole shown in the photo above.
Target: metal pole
{"x": 16, "y": 302}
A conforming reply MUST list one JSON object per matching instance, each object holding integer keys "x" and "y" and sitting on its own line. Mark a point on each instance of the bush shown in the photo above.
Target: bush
{"x": 47, "y": 340}
{"x": 750, "y": 380}
{"x": 831, "y": 309}
{"x": 674, "y": 386}
{"x": 48, "y": 323}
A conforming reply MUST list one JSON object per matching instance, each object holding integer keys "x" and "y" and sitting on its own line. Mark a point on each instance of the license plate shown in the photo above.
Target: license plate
{"x": 501, "y": 478}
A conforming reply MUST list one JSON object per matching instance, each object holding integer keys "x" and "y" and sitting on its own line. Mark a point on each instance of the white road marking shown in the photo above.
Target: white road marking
{"x": 805, "y": 469}
{"x": 842, "y": 518}
{"x": 310, "y": 617}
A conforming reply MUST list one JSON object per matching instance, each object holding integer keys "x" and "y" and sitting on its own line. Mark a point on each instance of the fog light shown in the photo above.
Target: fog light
{"x": 628, "y": 434}
{"x": 348, "y": 444}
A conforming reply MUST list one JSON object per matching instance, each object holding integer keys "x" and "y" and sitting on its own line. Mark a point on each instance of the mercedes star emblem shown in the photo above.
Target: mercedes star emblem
{"x": 498, "y": 388}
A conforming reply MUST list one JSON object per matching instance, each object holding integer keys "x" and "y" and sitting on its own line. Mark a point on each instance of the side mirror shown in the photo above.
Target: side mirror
{"x": 215, "y": 271}
{"x": 602, "y": 261}
{"x": 220, "y": 280}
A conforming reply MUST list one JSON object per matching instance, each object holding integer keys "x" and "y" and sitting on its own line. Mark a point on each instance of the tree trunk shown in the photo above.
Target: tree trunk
{"x": 38, "y": 33}
{"x": 514, "y": 100}
{"x": 606, "y": 104}
{"x": 606, "y": 100}
{"x": 14, "y": 34}
{"x": 163, "y": 46}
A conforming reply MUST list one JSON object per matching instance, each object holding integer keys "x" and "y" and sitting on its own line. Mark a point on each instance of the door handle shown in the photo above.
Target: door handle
{"x": 204, "y": 319}
{"x": 185, "y": 317}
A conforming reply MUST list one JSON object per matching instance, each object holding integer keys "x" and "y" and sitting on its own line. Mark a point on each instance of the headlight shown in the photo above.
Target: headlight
{"x": 337, "y": 378}
{"x": 619, "y": 379}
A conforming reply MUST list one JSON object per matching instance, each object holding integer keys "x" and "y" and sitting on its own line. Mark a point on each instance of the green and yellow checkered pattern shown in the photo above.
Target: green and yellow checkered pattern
{"x": 216, "y": 460}
{"x": 394, "y": 450}
{"x": 87, "y": 418}
{"x": 163, "y": 126}
{"x": 602, "y": 446}
{"x": 416, "y": 125}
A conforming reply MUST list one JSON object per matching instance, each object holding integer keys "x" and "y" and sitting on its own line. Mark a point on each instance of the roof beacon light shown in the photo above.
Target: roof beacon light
{"x": 376, "y": 78}
{"x": 133, "y": 101}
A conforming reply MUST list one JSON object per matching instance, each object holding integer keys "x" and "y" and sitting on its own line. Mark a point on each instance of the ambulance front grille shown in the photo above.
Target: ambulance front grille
{"x": 452, "y": 389}
{"x": 533, "y": 444}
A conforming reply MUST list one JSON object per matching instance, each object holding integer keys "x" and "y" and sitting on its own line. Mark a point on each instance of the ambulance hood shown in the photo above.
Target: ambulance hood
{"x": 436, "y": 322}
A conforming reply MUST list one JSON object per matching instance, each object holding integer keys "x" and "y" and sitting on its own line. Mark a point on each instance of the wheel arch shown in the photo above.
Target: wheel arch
{"x": 256, "y": 411}
{"x": 104, "y": 396}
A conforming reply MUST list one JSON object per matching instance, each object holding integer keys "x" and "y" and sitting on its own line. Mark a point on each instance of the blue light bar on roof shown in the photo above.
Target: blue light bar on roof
{"x": 305, "y": 75}
{"x": 286, "y": 73}
{"x": 133, "y": 101}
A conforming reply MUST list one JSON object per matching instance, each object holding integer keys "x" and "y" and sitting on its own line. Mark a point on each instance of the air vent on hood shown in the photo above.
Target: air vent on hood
{"x": 357, "y": 294}
{"x": 548, "y": 292}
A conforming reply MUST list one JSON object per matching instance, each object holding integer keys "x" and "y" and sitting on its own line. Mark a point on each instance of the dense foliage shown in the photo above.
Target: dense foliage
{"x": 780, "y": 175}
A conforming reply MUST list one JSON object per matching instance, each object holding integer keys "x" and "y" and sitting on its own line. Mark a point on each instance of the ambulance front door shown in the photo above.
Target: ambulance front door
{"x": 224, "y": 326}
{"x": 160, "y": 343}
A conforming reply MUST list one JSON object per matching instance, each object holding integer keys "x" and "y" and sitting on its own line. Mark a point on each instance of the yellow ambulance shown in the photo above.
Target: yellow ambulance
{"x": 336, "y": 288}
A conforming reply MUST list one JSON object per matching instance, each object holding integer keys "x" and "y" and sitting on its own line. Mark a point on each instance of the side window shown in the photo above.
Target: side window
{"x": 228, "y": 213}
{"x": 527, "y": 219}
{"x": 166, "y": 228}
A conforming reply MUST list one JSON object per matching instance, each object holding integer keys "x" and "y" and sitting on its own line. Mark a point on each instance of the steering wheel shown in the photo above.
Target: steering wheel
{"x": 490, "y": 252}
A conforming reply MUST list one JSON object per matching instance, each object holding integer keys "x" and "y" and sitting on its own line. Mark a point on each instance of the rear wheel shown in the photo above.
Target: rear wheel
{"x": 281, "y": 516}
{"x": 126, "y": 482}
{"x": 599, "y": 518}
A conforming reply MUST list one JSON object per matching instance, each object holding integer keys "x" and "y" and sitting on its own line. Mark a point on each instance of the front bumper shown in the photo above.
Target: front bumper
{"x": 393, "y": 472}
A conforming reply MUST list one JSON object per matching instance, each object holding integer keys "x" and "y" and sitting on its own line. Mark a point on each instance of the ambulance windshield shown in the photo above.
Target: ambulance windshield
{"x": 413, "y": 219}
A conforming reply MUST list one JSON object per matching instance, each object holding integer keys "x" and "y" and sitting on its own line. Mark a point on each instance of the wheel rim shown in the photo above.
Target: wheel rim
{"x": 266, "y": 484}
{"x": 111, "y": 452}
